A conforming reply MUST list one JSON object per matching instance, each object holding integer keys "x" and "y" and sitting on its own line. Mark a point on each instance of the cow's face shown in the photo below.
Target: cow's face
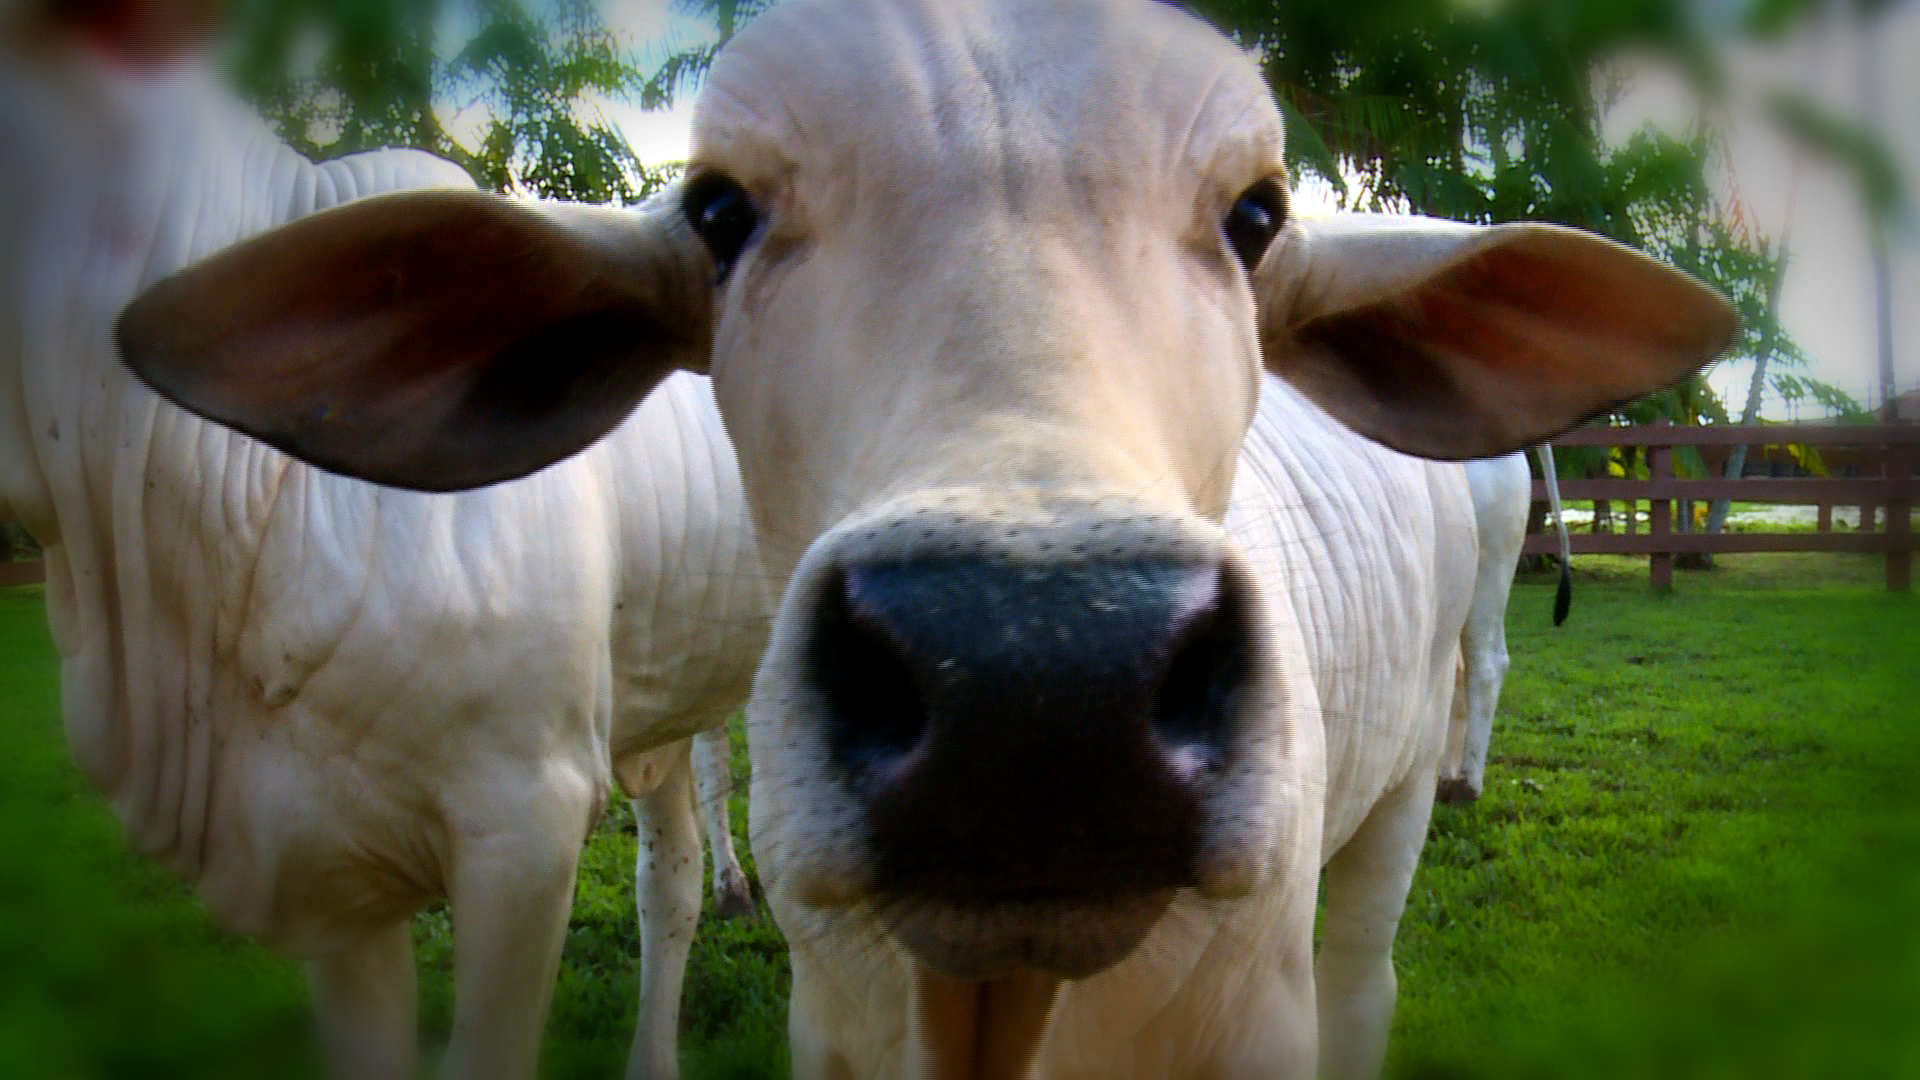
{"x": 987, "y": 348}
{"x": 998, "y": 261}
{"x": 986, "y": 289}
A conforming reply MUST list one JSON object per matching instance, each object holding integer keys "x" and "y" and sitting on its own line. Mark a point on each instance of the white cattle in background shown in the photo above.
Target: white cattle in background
{"x": 1502, "y": 492}
{"x": 713, "y": 785}
{"x": 1096, "y": 642}
{"x": 326, "y": 703}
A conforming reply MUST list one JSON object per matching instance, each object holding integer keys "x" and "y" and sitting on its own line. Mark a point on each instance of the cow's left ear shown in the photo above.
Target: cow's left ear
{"x": 1460, "y": 341}
{"x": 434, "y": 340}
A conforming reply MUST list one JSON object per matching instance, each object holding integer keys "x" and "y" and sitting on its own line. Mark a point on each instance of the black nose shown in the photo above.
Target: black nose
{"x": 1031, "y": 732}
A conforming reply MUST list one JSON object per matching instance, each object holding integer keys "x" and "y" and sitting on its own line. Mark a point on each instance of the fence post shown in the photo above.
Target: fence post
{"x": 1660, "y": 514}
{"x": 1899, "y": 470}
{"x": 1826, "y": 517}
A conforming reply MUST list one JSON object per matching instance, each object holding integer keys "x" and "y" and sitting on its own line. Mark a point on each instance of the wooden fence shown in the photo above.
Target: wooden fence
{"x": 22, "y": 573}
{"x": 1888, "y": 449}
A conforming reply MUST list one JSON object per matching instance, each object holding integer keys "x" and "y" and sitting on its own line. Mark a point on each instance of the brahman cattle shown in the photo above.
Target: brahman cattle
{"x": 326, "y": 703}
{"x": 1110, "y": 619}
{"x": 1502, "y": 492}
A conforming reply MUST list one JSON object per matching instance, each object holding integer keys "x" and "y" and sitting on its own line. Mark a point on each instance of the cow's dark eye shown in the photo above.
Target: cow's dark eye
{"x": 722, "y": 215}
{"x": 1254, "y": 220}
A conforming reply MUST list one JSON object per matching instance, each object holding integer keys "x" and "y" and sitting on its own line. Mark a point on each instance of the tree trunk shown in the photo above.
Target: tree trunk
{"x": 1737, "y": 460}
{"x": 1683, "y": 523}
{"x": 1873, "y": 107}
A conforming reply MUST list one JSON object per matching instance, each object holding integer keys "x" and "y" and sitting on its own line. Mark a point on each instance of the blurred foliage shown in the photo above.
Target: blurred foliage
{"x": 1866, "y": 158}
{"x": 683, "y": 70}
{"x": 1493, "y": 112}
{"x": 1776, "y": 18}
{"x": 340, "y": 76}
{"x": 17, "y": 543}
{"x": 1484, "y": 112}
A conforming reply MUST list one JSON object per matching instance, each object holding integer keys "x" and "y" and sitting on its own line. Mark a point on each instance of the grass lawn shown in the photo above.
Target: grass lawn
{"x": 1699, "y": 856}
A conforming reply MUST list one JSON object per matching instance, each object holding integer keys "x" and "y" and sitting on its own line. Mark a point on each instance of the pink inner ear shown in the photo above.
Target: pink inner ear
{"x": 1518, "y": 341}
{"x": 1539, "y": 314}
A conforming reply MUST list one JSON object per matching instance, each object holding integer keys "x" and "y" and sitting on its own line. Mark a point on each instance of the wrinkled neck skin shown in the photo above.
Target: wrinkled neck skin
{"x": 234, "y": 625}
{"x": 1334, "y": 528}
{"x": 138, "y": 176}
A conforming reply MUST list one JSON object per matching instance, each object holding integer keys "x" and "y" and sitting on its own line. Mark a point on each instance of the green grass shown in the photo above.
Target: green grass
{"x": 107, "y": 967}
{"x": 1698, "y": 856}
{"x": 1734, "y": 524}
{"x": 1699, "y": 853}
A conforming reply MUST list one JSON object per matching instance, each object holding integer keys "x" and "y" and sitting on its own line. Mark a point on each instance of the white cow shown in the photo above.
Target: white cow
{"x": 713, "y": 785}
{"x": 1096, "y": 643}
{"x": 1502, "y": 491}
{"x": 322, "y": 702}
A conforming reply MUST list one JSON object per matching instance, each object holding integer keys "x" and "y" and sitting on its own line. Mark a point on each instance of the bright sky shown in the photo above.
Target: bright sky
{"x": 656, "y": 30}
{"x": 1827, "y": 302}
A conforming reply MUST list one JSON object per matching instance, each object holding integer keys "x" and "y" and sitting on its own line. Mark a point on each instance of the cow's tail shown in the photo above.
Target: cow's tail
{"x": 1563, "y": 597}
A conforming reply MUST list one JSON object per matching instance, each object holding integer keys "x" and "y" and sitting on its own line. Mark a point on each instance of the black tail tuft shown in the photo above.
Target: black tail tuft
{"x": 1563, "y": 597}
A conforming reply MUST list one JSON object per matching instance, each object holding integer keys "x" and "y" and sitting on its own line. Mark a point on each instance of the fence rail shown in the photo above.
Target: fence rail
{"x": 22, "y": 573}
{"x": 1892, "y": 449}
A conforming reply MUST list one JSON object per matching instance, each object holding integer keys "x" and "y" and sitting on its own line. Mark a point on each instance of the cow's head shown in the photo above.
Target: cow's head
{"x": 986, "y": 290}
{"x": 82, "y": 83}
{"x": 140, "y": 34}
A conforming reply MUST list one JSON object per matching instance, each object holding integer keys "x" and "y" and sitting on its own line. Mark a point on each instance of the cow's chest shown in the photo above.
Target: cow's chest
{"x": 1370, "y": 554}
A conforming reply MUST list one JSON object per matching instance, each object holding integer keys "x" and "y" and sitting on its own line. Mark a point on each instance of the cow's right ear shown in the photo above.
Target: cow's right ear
{"x": 1457, "y": 341}
{"x": 437, "y": 340}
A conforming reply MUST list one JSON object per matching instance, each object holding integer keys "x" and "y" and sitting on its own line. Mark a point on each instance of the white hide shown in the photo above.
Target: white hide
{"x": 713, "y": 786}
{"x": 322, "y": 702}
{"x": 1352, "y": 546}
{"x": 1502, "y": 491}
{"x": 1502, "y": 495}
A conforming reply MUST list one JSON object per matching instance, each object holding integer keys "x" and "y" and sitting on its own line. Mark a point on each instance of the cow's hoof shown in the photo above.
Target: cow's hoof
{"x": 734, "y": 903}
{"x": 1455, "y": 791}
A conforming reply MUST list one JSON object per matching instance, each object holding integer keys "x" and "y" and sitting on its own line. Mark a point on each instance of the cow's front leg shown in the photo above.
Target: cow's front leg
{"x": 1366, "y": 892}
{"x": 667, "y": 882}
{"x": 511, "y": 894}
{"x": 713, "y": 776}
{"x": 365, "y": 1000}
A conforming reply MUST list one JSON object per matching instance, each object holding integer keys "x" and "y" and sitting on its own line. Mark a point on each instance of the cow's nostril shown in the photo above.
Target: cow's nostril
{"x": 1210, "y": 667}
{"x": 875, "y": 714}
{"x": 1026, "y": 732}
